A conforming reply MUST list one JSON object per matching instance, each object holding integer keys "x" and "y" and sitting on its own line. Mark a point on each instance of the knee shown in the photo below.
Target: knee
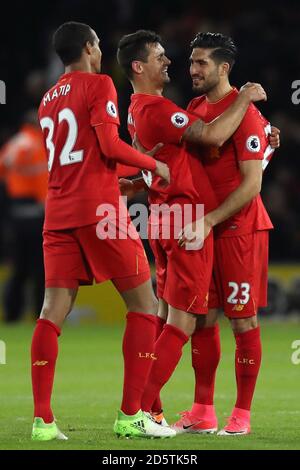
{"x": 184, "y": 321}
{"x": 241, "y": 325}
{"x": 207, "y": 321}
{"x": 52, "y": 315}
{"x": 149, "y": 306}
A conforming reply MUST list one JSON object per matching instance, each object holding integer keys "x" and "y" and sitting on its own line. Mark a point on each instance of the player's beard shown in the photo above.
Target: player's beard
{"x": 207, "y": 85}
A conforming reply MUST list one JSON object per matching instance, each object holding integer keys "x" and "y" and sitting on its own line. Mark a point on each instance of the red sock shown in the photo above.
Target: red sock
{"x": 160, "y": 323}
{"x": 168, "y": 351}
{"x": 44, "y": 350}
{"x": 138, "y": 351}
{"x": 247, "y": 364}
{"x": 206, "y": 353}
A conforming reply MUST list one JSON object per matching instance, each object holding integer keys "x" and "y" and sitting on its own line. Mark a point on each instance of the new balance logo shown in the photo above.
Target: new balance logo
{"x": 238, "y": 307}
{"x": 40, "y": 363}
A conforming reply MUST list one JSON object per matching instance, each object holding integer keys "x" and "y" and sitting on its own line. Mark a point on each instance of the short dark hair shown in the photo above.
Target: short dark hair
{"x": 224, "y": 48}
{"x": 69, "y": 40}
{"x": 134, "y": 47}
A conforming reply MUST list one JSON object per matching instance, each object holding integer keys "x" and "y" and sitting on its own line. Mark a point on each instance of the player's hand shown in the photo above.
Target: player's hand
{"x": 163, "y": 171}
{"x": 130, "y": 188}
{"x": 274, "y": 137}
{"x": 195, "y": 232}
{"x": 126, "y": 188}
{"x": 138, "y": 146}
{"x": 253, "y": 92}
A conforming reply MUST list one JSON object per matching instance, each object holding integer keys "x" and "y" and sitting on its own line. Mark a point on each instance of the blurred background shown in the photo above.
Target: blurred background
{"x": 268, "y": 38}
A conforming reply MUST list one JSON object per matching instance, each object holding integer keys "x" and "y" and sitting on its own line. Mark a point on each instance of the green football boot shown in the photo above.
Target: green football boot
{"x": 42, "y": 431}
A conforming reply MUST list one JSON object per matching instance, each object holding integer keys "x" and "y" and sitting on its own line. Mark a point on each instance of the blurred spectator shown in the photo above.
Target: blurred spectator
{"x": 23, "y": 169}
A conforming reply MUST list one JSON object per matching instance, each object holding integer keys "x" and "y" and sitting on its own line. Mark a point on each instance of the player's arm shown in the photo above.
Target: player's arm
{"x": 251, "y": 173}
{"x": 130, "y": 188}
{"x": 102, "y": 101}
{"x": 113, "y": 147}
{"x": 124, "y": 171}
{"x": 221, "y": 129}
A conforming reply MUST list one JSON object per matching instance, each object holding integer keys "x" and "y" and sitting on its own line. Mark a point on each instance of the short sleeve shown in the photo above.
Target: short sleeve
{"x": 166, "y": 121}
{"x": 102, "y": 101}
{"x": 250, "y": 138}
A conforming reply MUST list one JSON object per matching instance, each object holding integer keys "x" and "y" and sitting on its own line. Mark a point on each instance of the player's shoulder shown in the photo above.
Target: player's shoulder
{"x": 47, "y": 97}
{"x": 98, "y": 78}
{"x": 195, "y": 102}
{"x": 147, "y": 103}
{"x": 254, "y": 114}
{"x": 157, "y": 108}
{"x": 163, "y": 105}
{"x": 100, "y": 86}
{"x": 95, "y": 80}
{"x": 165, "y": 112}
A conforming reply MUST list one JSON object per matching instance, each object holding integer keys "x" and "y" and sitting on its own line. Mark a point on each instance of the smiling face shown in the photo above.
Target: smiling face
{"x": 155, "y": 70}
{"x": 204, "y": 71}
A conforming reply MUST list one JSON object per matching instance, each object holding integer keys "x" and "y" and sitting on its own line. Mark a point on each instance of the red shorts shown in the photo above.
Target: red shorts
{"x": 183, "y": 276}
{"x": 240, "y": 275}
{"x": 78, "y": 257}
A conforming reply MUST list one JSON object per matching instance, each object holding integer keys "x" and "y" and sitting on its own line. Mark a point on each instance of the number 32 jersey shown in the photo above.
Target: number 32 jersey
{"x": 80, "y": 177}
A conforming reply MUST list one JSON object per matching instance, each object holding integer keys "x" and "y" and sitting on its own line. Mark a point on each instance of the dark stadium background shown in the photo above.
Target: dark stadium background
{"x": 268, "y": 37}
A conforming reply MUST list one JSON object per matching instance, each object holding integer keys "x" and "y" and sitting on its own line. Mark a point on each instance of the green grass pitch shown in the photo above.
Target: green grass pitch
{"x": 88, "y": 384}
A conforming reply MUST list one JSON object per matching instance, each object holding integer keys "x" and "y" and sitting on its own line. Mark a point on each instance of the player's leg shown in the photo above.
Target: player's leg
{"x": 245, "y": 292}
{"x": 206, "y": 351}
{"x": 37, "y": 268}
{"x": 138, "y": 353}
{"x": 185, "y": 289}
{"x": 156, "y": 408}
{"x": 57, "y": 305}
{"x": 187, "y": 278}
{"x": 138, "y": 343}
{"x": 64, "y": 266}
{"x": 141, "y": 297}
{"x": 168, "y": 350}
{"x": 205, "y": 348}
{"x": 248, "y": 355}
{"x": 122, "y": 259}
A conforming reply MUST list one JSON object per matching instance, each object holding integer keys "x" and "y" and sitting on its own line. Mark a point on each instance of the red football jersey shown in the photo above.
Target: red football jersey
{"x": 80, "y": 177}
{"x": 156, "y": 119}
{"x": 249, "y": 142}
